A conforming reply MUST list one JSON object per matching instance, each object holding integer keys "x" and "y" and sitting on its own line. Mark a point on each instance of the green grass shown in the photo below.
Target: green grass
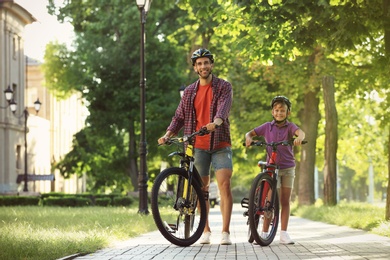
{"x": 355, "y": 215}
{"x": 54, "y": 232}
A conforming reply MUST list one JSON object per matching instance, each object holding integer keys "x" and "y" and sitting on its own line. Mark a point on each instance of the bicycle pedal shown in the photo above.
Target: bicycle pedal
{"x": 171, "y": 228}
{"x": 245, "y": 202}
{"x": 245, "y": 214}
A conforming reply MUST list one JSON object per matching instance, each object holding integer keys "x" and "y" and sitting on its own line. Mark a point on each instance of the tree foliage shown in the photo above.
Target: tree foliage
{"x": 103, "y": 65}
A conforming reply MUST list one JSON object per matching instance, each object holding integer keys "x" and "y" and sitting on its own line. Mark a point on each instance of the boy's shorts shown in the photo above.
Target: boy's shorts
{"x": 286, "y": 177}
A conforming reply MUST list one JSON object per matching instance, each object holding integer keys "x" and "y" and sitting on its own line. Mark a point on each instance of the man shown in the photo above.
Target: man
{"x": 207, "y": 103}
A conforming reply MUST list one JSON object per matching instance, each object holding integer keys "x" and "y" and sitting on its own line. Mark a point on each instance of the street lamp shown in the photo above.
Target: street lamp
{"x": 13, "y": 107}
{"x": 8, "y": 96}
{"x": 143, "y": 6}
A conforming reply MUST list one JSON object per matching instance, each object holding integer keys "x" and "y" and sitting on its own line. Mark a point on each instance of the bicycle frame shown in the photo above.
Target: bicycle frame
{"x": 187, "y": 162}
{"x": 272, "y": 169}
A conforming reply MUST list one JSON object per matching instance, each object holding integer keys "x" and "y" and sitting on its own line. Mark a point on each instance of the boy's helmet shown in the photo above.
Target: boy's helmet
{"x": 282, "y": 99}
{"x": 201, "y": 53}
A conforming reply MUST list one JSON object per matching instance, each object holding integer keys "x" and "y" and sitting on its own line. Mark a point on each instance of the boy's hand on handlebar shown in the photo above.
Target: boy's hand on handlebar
{"x": 249, "y": 138}
{"x": 298, "y": 141}
{"x": 248, "y": 141}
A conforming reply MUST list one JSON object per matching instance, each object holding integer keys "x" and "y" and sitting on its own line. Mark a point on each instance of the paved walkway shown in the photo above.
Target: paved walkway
{"x": 313, "y": 240}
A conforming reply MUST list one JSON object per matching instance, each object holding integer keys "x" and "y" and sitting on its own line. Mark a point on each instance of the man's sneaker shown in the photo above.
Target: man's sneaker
{"x": 226, "y": 239}
{"x": 285, "y": 238}
{"x": 205, "y": 239}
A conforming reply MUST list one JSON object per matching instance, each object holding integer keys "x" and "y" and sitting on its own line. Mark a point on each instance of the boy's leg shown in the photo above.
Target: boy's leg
{"x": 285, "y": 195}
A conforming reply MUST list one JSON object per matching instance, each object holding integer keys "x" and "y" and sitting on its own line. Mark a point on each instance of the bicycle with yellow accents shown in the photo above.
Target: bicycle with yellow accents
{"x": 178, "y": 201}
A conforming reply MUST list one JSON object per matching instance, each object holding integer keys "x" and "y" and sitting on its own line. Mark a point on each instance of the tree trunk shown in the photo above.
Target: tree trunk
{"x": 387, "y": 217}
{"x": 309, "y": 119}
{"x": 330, "y": 167}
{"x": 133, "y": 156}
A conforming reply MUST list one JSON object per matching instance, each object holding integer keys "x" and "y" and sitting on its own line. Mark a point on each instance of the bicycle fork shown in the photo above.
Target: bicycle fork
{"x": 184, "y": 200}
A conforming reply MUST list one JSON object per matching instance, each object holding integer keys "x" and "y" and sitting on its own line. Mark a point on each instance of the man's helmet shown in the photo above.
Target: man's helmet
{"x": 201, "y": 53}
{"x": 282, "y": 99}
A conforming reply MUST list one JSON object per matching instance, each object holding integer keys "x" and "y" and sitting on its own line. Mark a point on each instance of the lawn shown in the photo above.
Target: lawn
{"x": 358, "y": 215}
{"x": 33, "y": 232}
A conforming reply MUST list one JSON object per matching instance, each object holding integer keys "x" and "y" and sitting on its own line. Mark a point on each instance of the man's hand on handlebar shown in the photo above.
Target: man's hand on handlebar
{"x": 162, "y": 140}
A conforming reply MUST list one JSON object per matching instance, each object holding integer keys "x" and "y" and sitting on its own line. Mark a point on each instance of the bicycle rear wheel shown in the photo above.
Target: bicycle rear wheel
{"x": 179, "y": 220}
{"x": 263, "y": 216}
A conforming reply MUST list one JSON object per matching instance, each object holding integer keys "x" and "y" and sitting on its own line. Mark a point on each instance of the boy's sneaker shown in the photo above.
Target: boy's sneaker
{"x": 226, "y": 239}
{"x": 205, "y": 239}
{"x": 263, "y": 235}
{"x": 285, "y": 238}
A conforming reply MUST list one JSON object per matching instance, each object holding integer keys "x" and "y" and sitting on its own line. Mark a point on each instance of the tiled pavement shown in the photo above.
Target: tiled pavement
{"x": 313, "y": 240}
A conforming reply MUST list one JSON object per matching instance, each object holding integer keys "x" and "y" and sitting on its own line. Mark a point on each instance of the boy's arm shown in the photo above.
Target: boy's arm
{"x": 249, "y": 137}
{"x": 300, "y": 136}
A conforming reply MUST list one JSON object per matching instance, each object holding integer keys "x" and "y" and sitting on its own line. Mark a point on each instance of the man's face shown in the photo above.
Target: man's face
{"x": 203, "y": 67}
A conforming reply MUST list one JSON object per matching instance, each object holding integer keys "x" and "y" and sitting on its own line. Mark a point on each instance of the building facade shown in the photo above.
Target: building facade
{"x": 29, "y": 141}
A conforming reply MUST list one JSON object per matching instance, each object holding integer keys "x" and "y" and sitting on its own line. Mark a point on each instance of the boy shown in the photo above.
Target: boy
{"x": 278, "y": 130}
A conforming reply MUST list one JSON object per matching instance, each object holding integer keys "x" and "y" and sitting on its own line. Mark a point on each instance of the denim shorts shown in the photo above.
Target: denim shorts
{"x": 219, "y": 159}
{"x": 286, "y": 178}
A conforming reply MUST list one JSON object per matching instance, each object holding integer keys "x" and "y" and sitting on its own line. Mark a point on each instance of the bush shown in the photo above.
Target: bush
{"x": 122, "y": 201}
{"x": 103, "y": 202}
{"x": 19, "y": 201}
{"x": 67, "y": 201}
{"x": 240, "y": 192}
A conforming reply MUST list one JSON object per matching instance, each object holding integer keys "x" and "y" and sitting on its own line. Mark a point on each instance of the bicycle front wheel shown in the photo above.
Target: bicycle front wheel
{"x": 263, "y": 213}
{"x": 179, "y": 216}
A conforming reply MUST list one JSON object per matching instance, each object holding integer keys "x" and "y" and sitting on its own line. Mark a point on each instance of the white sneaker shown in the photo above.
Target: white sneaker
{"x": 205, "y": 239}
{"x": 263, "y": 235}
{"x": 226, "y": 239}
{"x": 285, "y": 238}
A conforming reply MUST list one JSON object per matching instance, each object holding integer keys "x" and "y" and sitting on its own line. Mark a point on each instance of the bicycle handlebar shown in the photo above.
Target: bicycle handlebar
{"x": 273, "y": 144}
{"x": 186, "y": 138}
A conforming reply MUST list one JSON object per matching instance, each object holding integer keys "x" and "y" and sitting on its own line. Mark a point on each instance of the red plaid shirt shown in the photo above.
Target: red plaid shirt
{"x": 220, "y": 108}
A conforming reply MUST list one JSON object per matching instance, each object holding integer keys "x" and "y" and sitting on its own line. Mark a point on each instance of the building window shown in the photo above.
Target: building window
{"x": 15, "y": 90}
{"x": 14, "y": 47}
{"x": 18, "y": 157}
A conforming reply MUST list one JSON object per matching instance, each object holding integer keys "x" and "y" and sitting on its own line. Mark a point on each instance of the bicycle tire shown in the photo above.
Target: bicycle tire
{"x": 180, "y": 224}
{"x": 259, "y": 214}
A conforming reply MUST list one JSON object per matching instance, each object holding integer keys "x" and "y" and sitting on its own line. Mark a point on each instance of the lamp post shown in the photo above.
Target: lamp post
{"x": 181, "y": 90}
{"x": 143, "y": 6}
{"x": 13, "y": 106}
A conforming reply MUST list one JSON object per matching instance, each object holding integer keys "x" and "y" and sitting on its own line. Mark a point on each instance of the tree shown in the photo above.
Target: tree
{"x": 330, "y": 176}
{"x": 103, "y": 65}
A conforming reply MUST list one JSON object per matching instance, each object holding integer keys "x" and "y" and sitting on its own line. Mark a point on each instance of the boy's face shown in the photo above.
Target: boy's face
{"x": 280, "y": 112}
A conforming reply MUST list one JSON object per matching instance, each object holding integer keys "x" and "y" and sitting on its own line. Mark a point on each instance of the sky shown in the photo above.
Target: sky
{"x": 46, "y": 29}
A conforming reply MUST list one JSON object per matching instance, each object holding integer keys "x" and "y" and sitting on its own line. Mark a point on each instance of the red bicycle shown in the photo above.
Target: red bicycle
{"x": 263, "y": 201}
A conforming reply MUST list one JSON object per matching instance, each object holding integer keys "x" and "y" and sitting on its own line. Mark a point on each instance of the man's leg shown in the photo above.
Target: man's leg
{"x": 223, "y": 177}
{"x": 206, "y": 182}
